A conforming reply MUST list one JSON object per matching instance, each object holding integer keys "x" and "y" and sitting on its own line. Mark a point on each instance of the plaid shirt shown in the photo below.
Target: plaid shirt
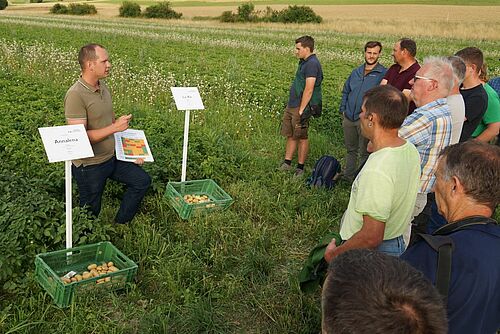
{"x": 429, "y": 129}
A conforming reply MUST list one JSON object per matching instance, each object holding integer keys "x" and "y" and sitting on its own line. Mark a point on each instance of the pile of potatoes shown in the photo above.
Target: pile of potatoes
{"x": 195, "y": 199}
{"x": 94, "y": 270}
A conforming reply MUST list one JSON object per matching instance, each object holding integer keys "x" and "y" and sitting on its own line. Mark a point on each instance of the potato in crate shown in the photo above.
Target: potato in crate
{"x": 197, "y": 196}
{"x": 88, "y": 268}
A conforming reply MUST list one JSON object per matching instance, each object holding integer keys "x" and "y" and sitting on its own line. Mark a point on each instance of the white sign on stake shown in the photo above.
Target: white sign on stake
{"x": 66, "y": 143}
{"x": 186, "y": 98}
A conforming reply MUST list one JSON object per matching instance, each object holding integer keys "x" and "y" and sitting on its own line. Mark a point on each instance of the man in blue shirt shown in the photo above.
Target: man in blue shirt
{"x": 467, "y": 193}
{"x": 304, "y": 100}
{"x": 361, "y": 80}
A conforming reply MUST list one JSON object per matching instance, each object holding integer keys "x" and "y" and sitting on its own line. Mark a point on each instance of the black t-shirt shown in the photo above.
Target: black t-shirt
{"x": 476, "y": 102}
{"x": 309, "y": 67}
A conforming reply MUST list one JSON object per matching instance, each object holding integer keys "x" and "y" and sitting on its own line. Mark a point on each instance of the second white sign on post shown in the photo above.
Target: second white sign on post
{"x": 186, "y": 98}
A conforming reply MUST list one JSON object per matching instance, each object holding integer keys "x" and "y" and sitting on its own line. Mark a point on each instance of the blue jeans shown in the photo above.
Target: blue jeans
{"x": 394, "y": 247}
{"x": 91, "y": 181}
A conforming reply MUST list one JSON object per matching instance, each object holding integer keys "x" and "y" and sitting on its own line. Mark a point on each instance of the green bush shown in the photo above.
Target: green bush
{"x": 3, "y": 4}
{"x": 81, "y": 9}
{"x": 162, "y": 10}
{"x": 246, "y": 12}
{"x": 298, "y": 14}
{"x": 73, "y": 9}
{"x": 58, "y": 9}
{"x": 130, "y": 9}
{"x": 227, "y": 16}
{"x": 292, "y": 14}
{"x": 36, "y": 1}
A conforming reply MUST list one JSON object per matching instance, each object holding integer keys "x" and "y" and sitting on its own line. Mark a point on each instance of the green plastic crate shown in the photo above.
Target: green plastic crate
{"x": 49, "y": 267}
{"x": 218, "y": 198}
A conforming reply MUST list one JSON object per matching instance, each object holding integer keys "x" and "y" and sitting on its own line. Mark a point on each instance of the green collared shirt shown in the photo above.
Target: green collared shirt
{"x": 94, "y": 105}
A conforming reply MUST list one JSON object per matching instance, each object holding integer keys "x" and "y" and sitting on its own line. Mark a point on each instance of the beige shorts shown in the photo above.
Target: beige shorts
{"x": 291, "y": 125}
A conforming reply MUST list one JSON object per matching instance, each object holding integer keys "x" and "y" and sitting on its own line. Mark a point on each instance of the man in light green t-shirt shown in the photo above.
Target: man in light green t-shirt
{"x": 384, "y": 192}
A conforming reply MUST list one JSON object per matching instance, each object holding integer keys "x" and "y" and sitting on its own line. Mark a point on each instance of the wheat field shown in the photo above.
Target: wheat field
{"x": 458, "y": 22}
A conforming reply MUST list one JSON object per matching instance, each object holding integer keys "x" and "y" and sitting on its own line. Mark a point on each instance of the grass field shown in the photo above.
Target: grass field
{"x": 231, "y": 271}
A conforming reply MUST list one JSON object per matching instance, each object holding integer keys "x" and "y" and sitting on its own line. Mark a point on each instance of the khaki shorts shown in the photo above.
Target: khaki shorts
{"x": 291, "y": 126}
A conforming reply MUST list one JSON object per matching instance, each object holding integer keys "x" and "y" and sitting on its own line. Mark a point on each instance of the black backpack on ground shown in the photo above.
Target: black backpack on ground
{"x": 325, "y": 173}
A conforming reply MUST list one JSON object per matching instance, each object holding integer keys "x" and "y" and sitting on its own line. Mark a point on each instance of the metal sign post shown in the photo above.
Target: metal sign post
{"x": 69, "y": 208}
{"x": 66, "y": 143}
{"x": 185, "y": 145}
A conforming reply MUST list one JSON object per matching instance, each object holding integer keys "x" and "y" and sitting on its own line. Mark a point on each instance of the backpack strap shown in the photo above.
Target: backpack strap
{"x": 444, "y": 246}
{"x": 464, "y": 224}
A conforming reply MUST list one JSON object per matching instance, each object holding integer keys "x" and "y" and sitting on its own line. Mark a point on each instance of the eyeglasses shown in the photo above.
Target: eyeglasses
{"x": 416, "y": 77}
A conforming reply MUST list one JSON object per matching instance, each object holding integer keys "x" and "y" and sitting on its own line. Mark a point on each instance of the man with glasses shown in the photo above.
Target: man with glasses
{"x": 406, "y": 65}
{"x": 429, "y": 126}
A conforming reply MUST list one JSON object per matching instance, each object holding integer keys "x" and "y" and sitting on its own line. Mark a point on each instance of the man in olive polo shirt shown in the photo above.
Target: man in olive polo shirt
{"x": 88, "y": 102}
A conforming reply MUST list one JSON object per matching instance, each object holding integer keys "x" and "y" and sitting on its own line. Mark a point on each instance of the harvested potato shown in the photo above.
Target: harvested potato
{"x": 66, "y": 280}
{"x": 194, "y": 199}
{"x": 94, "y": 270}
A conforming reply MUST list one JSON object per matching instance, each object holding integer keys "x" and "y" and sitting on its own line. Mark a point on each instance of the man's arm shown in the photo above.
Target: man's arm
{"x": 307, "y": 94}
{"x": 345, "y": 93}
{"x": 489, "y": 133}
{"x": 98, "y": 135}
{"x": 383, "y": 82}
{"x": 371, "y": 235}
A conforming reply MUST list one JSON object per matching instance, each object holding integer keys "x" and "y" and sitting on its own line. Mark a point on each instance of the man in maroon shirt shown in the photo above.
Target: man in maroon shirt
{"x": 406, "y": 66}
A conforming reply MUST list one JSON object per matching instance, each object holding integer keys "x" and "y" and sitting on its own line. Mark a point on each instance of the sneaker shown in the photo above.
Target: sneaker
{"x": 285, "y": 167}
{"x": 299, "y": 172}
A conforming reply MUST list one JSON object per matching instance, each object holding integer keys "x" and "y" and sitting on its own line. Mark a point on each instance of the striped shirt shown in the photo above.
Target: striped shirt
{"x": 429, "y": 129}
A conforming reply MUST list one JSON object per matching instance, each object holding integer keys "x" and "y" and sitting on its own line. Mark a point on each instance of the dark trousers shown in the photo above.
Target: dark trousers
{"x": 91, "y": 181}
{"x": 422, "y": 222}
{"x": 355, "y": 145}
